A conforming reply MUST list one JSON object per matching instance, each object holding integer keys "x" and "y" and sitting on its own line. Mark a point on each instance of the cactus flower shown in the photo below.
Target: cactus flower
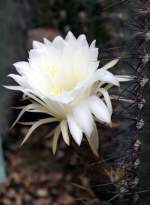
{"x": 62, "y": 79}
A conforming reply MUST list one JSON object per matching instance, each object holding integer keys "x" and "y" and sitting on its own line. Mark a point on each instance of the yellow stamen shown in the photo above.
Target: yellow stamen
{"x": 56, "y": 90}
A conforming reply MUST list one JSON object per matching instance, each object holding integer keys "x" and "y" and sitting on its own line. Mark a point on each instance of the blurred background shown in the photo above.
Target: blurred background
{"x": 31, "y": 174}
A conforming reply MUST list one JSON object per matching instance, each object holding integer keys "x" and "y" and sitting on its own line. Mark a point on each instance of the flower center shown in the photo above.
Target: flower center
{"x": 65, "y": 80}
{"x": 56, "y": 90}
{"x": 51, "y": 70}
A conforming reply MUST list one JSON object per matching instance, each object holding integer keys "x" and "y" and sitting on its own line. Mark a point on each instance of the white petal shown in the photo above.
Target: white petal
{"x": 100, "y": 75}
{"x": 99, "y": 109}
{"x": 13, "y": 87}
{"x": 93, "y": 65}
{"x": 36, "y": 125}
{"x": 75, "y": 130}
{"x": 124, "y": 78}
{"x": 37, "y": 45}
{"x": 94, "y": 140}
{"x": 47, "y": 42}
{"x": 84, "y": 118}
{"x": 17, "y": 78}
{"x": 93, "y": 44}
{"x": 66, "y": 98}
{"x": 55, "y": 139}
{"x": 93, "y": 54}
{"x": 64, "y": 130}
{"x": 106, "y": 77}
{"x": 20, "y": 80}
{"x": 110, "y": 64}
{"x": 70, "y": 37}
{"x": 25, "y": 109}
{"x": 30, "y": 108}
{"x": 27, "y": 123}
{"x": 22, "y": 67}
{"x": 56, "y": 109}
{"x": 59, "y": 42}
{"x": 36, "y": 53}
{"x": 82, "y": 40}
{"x": 107, "y": 98}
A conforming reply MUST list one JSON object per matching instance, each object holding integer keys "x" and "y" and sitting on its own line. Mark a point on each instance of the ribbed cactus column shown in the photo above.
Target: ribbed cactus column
{"x": 11, "y": 44}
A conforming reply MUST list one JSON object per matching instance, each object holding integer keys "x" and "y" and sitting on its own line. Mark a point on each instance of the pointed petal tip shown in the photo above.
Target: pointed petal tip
{"x": 78, "y": 140}
{"x": 108, "y": 121}
{"x": 15, "y": 64}
{"x": 64, "y": 131}
{"x": 84, "y": 118}
{"x": 82, "y": 37}
{"x": 45, "y": 40}
{"x": 93, "y": 44}
{"x": 22, "y": 143}
{"x": 96, "y": 154}
{"x": 69, "y": 33}
{"x": 117, "y": 83}
{"x": 9, "y": 87}
{"x": 34, "y": 42}
{"x": 37, "y": 44}
{"x": 4, "y": 86}
{"x": 75, "y": 130}
{"x": 99, "y": 109}
{"x": 70, "y": 36}
{"x": 55, "y": 139}
{"x": 110, "y": 124}
{"x": 111, "y": 64}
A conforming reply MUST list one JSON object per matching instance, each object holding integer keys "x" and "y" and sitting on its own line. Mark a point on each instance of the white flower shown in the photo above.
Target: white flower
{"x": 62, "y": 79}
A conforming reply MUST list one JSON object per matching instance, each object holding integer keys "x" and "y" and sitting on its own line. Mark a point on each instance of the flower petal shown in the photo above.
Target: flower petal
{"x": 70, "y": 37}
{"x": 82, "y": 40}
{"x": 75, "y": 130}
{"x": 22, "y": 67}
{"x": 64, "y": 130}
{"x": 47, "y": 42}
{"x": 107, "y": 98}
{"x": 93, "y": 44}
{"x": 14, "y": 87}
{"x": 124, "y": 78}
{"x": 25, "y": 109}
{"x": 84, "y": 118}
{"x": 107, "y": 77}
{"x": 36, "y": 125}
{"x": 93, "y": 54}
{"x": 110, "y": 64}
{"x": 37, "y": 45}
{"x": 55, "y": 139}
{"x": 94, "y": 140}
{"x": 58, "y": 43}
{"x": 20, "y": 80}
{"x": 99, "y": 109}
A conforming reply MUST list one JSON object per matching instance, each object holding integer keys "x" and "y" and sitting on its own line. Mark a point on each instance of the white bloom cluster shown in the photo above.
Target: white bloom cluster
{"x": 62, "y": 79}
